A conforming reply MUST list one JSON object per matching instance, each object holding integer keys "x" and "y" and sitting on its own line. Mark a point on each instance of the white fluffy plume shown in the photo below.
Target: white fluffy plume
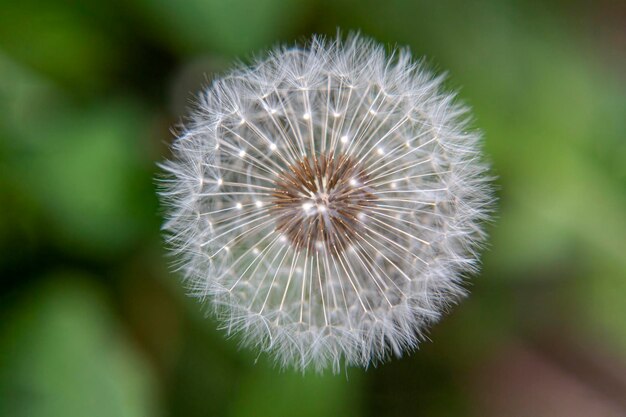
{"x": 328, "y": 201}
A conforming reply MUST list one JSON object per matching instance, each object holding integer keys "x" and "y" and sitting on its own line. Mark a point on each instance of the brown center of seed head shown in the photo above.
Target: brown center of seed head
{"x": 320, "y": 202}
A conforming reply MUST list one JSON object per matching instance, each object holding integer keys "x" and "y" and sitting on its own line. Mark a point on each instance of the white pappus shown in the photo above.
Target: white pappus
{"x": 328, "y": 201}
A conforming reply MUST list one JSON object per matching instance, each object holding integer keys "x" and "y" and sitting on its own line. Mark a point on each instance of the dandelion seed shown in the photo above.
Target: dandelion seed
{"x": 323, "y": 247}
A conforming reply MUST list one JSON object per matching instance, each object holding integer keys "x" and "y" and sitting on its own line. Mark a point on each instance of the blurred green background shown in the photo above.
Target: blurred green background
{"x": 92, "y": 323}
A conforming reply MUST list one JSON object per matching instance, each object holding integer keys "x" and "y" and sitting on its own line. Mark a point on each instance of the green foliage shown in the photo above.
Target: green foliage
{"x": 227, "y": 27}
{"x": 58, "y": 39}
{"x": 286, "y": 394}
{"x": 64, "y": 354}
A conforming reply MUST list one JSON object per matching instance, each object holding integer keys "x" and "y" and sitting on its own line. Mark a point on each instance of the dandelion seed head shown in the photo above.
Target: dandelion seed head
{"x": 345, "y": 208}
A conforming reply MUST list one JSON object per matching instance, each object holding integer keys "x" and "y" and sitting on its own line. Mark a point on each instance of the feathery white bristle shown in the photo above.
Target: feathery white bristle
{"x": 328, "y": 201}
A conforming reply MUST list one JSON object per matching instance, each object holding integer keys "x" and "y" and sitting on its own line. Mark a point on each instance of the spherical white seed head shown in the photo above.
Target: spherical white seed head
{"x": 340, "y": 202}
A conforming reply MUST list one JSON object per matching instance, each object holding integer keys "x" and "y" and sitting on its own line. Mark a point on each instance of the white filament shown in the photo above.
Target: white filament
{"x": 415, "y": 241}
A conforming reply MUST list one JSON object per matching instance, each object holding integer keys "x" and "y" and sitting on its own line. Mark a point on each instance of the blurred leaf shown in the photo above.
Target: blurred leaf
{"x": 59, "y": 40}
{"x": 269, "y": 392}
{"x": 86, "y": 170}
{"x": 602, "y": 305}
{"x": 228, "y": 27}
{"x": 63, "y": 354}
{"x": 24, "y": 94}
